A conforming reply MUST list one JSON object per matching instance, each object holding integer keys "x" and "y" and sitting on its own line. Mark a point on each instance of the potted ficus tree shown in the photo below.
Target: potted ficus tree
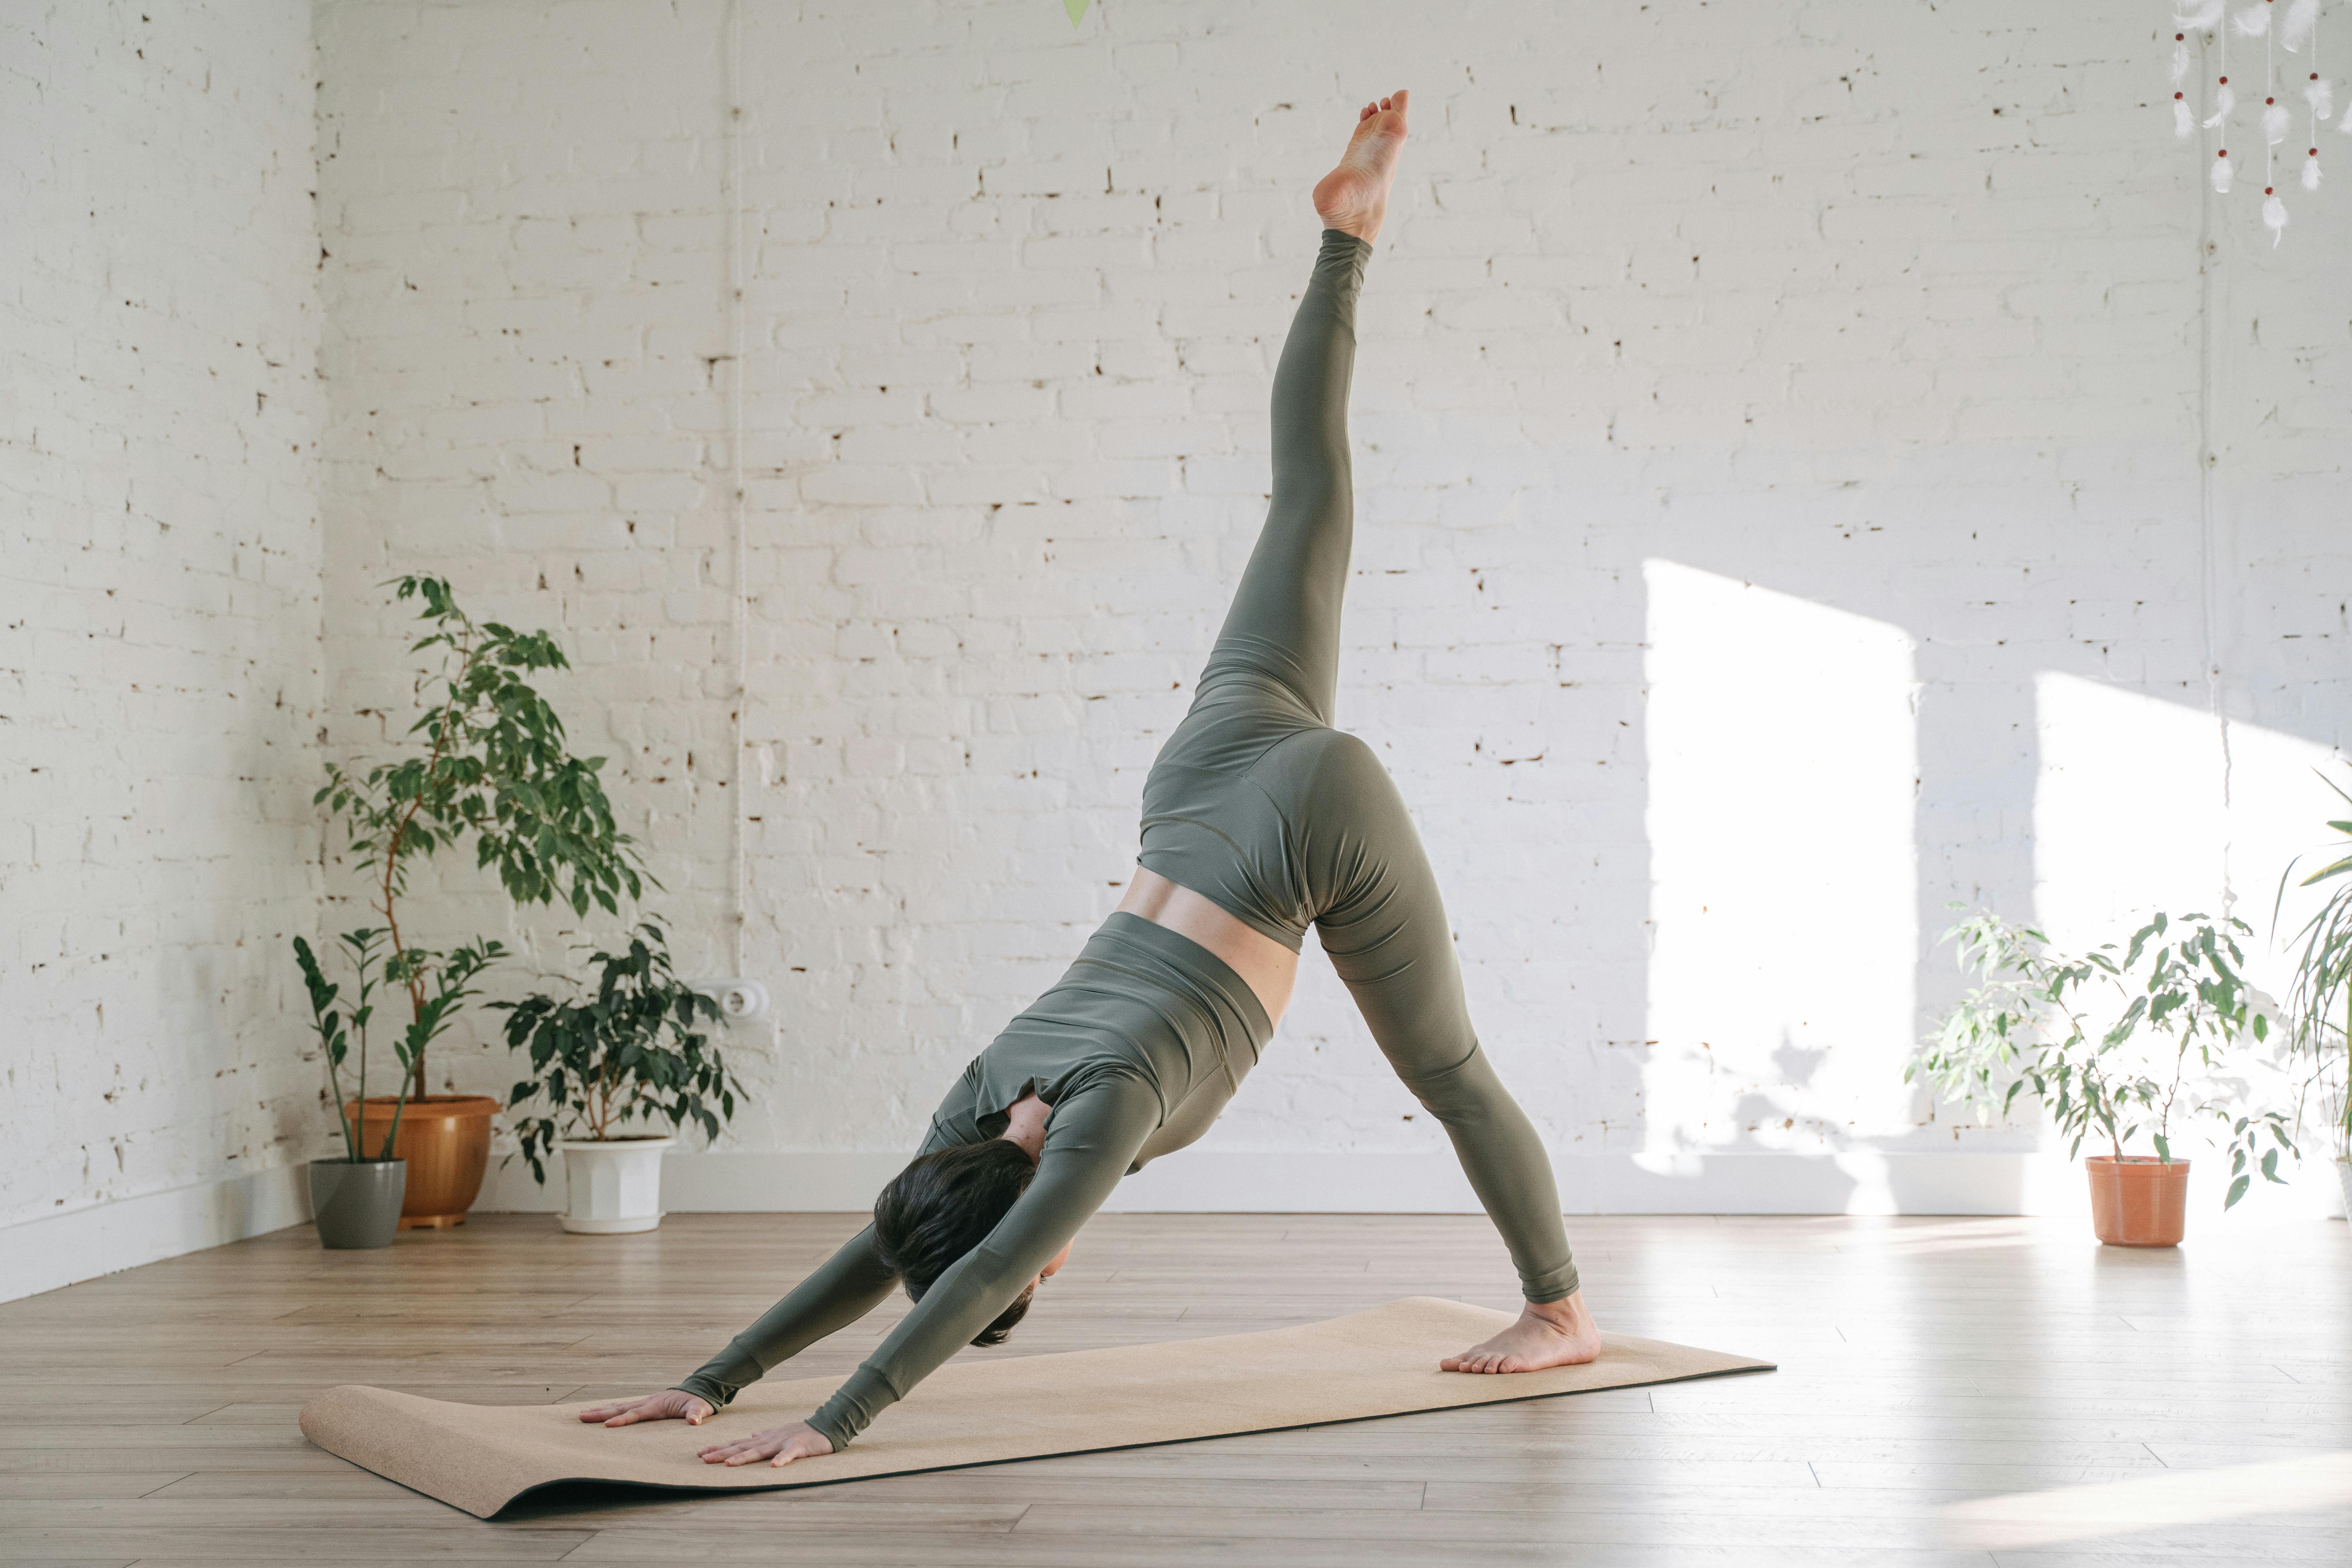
{"x": 2118, "y": 1046}
{"x": 491, "y": 763}
{"x": 2320, "y": 998}
{"x": 628, "y": 1051}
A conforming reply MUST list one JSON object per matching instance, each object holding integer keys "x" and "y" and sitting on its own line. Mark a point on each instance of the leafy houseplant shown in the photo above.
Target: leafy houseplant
{"x": 2113, "y": 1050}
{"x": 630, "y": 1051}
{"x": 355, "y": 1207}
{"x": 492, "y": 762}
{"x": 2320, "y": 999}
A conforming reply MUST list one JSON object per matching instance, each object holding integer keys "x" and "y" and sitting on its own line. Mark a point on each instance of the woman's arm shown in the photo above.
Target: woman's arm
{"x": 1090, "y": 1143}
{"x": 844, "y": 1287}
{"x": 847, "y": 1285}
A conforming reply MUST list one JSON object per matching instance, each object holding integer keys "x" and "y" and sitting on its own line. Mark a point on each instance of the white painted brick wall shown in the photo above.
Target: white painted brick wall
{"x": 160, "y": 671}
{"x": 1895, "y": 309}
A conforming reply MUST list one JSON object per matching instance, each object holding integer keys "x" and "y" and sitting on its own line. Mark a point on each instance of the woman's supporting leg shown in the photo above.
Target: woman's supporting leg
{"x": 1388, "y": 938}
{"x": 1285, "y": 620}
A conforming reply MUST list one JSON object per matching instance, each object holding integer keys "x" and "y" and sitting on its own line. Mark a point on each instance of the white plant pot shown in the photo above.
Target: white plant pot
{"x": 612, "y": 1187}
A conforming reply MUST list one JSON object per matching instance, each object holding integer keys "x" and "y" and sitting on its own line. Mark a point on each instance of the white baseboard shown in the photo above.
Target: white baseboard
{"x": 61, "y": 1249}
{"x": 1216, "y": 1181}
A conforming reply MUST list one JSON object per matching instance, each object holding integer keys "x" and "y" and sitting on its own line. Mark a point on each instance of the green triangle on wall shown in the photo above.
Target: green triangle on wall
{"x": 1076, "y": 8}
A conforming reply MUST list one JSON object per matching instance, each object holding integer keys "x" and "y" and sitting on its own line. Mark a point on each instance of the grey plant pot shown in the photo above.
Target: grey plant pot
{"x": 356, "y": 1203}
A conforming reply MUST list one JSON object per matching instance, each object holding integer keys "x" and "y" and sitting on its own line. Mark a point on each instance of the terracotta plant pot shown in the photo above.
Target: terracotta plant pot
{"x": 445, "y": 1140}
{"x": 2138, "y": 1199}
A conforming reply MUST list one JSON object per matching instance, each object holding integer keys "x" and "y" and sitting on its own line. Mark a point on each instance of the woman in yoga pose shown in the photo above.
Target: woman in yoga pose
{"x": 1259, "y": 819}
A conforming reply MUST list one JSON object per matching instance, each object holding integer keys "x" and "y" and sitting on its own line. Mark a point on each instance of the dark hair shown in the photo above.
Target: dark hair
{"x": 942, "y": 1205}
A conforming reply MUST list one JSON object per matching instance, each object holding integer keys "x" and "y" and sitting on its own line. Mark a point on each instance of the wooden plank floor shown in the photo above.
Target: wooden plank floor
{"x": 1953, "y": 1391}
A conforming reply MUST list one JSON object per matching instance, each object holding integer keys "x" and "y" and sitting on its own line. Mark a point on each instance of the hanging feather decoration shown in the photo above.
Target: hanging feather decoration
{"x": 2311, "y": 171}
{"x": 2179, "y": 59}
{"x": 2184, "y": 124}
{"x": 2273, "y": 122}
{"x": 2302, "y": 19}
{"x": 2200, "y": 17}
{"x": 2221, "y": 174}
{"x": 2320, "y": 93}
{"x": 2274, "y": 218}
{"x": 2254, "y": 21}
{"x": 2224, "y": 100}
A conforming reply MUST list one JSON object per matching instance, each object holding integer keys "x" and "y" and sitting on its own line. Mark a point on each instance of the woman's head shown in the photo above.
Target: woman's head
{"x": 942, "y": 1206}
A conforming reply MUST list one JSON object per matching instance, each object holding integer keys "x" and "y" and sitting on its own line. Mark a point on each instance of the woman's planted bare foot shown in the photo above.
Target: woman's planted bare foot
{"x": 1557, "y": 1333}
{"x": 1354, "y": 198}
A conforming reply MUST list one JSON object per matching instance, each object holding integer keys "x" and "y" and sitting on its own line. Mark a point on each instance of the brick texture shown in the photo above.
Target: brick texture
{"x": 1910, "y": 323}
{"x": 160, "y": 572}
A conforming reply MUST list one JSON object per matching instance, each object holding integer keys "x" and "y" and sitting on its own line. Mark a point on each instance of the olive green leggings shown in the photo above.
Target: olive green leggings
{"x": 1259, "y": 805}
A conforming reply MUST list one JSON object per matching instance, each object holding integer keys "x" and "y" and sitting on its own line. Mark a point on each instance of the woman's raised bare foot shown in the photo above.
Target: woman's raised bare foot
{"x": 1558, "y": 1333}
{"x": 1354, "y": 198}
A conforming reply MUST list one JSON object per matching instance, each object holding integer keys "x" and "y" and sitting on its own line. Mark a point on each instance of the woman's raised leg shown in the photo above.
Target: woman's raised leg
{"x": 1285, "y": 620}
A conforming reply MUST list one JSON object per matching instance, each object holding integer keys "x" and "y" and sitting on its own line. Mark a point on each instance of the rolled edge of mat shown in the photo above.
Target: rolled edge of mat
{"x": 378, "y": 1429}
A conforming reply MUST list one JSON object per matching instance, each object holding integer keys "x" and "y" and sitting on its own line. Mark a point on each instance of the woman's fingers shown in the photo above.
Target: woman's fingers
{"x": 666, "y": 1407}
{"x": 741, "y": 1451}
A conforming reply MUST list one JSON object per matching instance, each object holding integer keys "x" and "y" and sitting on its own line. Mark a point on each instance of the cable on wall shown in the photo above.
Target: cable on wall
{"x": 731, "y": 48}
{"x": 2208, "y": 533}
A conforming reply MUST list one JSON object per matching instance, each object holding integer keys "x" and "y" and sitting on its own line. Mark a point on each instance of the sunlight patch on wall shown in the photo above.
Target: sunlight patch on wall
{"x": 2127, "y": 811}
{"x": 1781, "y": 739}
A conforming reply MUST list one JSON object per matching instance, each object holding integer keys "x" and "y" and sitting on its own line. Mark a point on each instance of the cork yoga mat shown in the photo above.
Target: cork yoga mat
{"x": 1378, "y": 1362}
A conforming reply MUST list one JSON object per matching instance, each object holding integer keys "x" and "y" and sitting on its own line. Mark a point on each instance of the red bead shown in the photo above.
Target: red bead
{"x": 2222, "y": 153}
{"x": 2225, "y": 81}
{"x": 2315, "y": 152}
{"x": 2181, "y": 95}
{"x": 2268, "y": 189}
{"x": 2270, "y": 101}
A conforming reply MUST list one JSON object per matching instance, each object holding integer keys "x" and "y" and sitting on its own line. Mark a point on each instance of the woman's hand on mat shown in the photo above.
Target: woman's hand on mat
{"x": 778, "y": 1445}
{"x": 670, "y": 1405}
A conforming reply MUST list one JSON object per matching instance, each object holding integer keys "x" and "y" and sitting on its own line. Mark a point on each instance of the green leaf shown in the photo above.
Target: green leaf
{"x": 2237, "y": 1190}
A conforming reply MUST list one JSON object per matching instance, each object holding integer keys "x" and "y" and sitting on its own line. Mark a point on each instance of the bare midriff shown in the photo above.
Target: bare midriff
{"x": 1269, "y": 968}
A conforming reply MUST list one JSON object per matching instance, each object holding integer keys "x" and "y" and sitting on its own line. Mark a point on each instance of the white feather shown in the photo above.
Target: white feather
{"x": 2221, "y": 174}
{"x": 2204, "y": 15}
{"x": 2274, "y": 124}
{"x": 2311, "y": 173}
{"x": 2321, "y": 96}
{"x": 2253, "y": 21}
{"x": 2302, "y": 17}
{"x": 2184, "y": 124}
{"x": 2179, "y": 64}
{"x": 2274, "y": 219}
{"x": 2224, "y": 100}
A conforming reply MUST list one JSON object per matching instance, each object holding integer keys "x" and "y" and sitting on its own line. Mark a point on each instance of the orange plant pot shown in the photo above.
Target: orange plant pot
{"x": 2138, "y": 1199}
{"x": 446, "y": 1139}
